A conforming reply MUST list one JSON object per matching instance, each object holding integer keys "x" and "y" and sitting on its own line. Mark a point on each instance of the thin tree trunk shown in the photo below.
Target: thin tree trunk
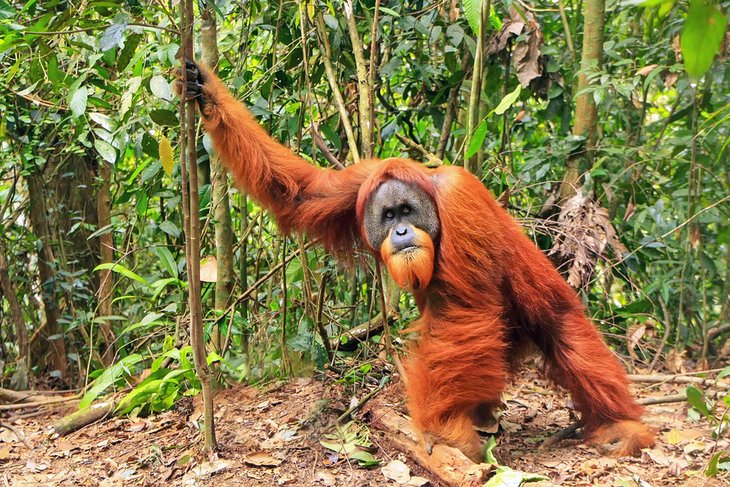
{"x": 219, "y": 182}
{"x": 452, "y": 107}
{"x": 364, "y": 89}
{"x": 334, "y": 86}
{"x": 191, "y": 210}
{"x": 56, "y": 345}
{"x": 16, "y": 316}
{"x": 586, "y": 113}
{"x": 472, "y": 164}
{"x": 106, "y": 254}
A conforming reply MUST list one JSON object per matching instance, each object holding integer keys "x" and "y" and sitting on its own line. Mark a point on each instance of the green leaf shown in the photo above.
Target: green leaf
{"x": 697, "y": 400}
{"x": 506, "y": 477}
{"x": 106, "y": 151}
{"x": 508, "y": 100}
{"x": 164, "y": 117}
{"x": 390, "y": 12}
{"x": 127, "y": 52}
{"x": 166, "y": 260}
{"x": 114, "y": 34}
{"x": 149, "y": 319}
{"x": 477, "y": 138}
{"x": 160, "y": 88}
{"x": 489, "y": 451}
{"x": 77, "y": 101}
{"x": 702, "y": 37}
{"x": 170, "y": 228}
{"x": 723, "y": 373}
{"x": 108, "y": 378}
{"x": 712, "y": 467}
{"x": 120, "y": 269}
{"x": 471, "y": 11}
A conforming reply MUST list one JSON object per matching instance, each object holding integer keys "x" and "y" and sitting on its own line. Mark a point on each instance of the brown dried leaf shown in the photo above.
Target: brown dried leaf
{"x": 261, "y": 459}
{"x": 526, "y": 55}
{"x": 635, "y": 333}
{"x": 5, "y": 452}
{"x": 209, "y": 269}
{"x": 646, "y": 70}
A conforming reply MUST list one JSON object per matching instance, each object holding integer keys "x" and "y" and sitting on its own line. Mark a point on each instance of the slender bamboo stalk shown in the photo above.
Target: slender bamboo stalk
{"x": 191, "y": 210}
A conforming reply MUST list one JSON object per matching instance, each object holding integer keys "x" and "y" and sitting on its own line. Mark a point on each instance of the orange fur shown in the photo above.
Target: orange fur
{"x": 487, "y": 291}
{"x": 623, "y": 438}
{"x": 413, "y": 269}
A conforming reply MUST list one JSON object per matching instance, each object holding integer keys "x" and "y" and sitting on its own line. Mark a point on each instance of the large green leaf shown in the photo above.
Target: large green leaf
{"x": 108, "y": 378}
{"x": 477, "y": 138}
{"x": 702, "y": 37}
{"x": 471, "y": 12}
{"x": 77, "y": 101}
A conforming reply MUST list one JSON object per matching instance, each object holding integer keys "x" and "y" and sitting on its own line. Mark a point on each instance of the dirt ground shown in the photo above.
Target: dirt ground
{"x": 272, "y": 437}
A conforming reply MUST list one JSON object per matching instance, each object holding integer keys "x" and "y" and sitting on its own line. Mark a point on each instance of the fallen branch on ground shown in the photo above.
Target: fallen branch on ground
{"x": 677, "y": 379}
{"x": 448, "y": 464}
{"x": 346, "y": 415}
{"x": 569, "y": 430}
{"x": 647, "y": 401}
{"x": 18, "y": 434}
{"x": 560, "y": 436}
{"x": 79, "y": 419}
{"x": 13, "y": 397}
{"x": 44, "y": 402}
{"x": 349, "y": 339}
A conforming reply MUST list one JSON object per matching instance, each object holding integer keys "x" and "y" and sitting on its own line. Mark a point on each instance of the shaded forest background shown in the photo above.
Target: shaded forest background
{"x": 602, "y": 126}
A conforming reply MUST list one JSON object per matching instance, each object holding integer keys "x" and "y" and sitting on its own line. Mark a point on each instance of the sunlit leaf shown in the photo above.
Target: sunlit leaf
{"x": 114, "y": 34}
{"x": 165, "y": 150}
{"x": 160, "y": 88}
{"x": 106, "y": 151}
{"x": 120, "y": 269}
{"x": 108, "y": 378}
{"x": 477, "y": 138}
{"x": 77, "y": 101}
{"x": 508, "y": 100}
{"x": 704, "y": 30}
{"x": 471, "y": 11}
{"x": 209, "y": 269}
{"x": 506, "y": 477}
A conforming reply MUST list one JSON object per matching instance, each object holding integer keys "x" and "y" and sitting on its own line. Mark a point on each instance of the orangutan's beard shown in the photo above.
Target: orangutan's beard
{"x": 411, "y": 268}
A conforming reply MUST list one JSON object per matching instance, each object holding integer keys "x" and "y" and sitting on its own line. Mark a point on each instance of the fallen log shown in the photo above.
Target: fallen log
{"x": 79, "y": 419}
{"x": 450, "y": 465}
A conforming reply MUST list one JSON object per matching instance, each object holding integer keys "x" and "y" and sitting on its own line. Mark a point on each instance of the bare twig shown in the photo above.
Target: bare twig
{"x": 346, "y": 415}
{"x": 191, "y": 211}
{"x": 46, "y": 402}
{"x": 564, "y": 433}
{"x": 320, "y": 325}
{"x": 452, "y": 106}
{"x": 19, "y": 434}
{"x": 677, "y": 379}
{"x": 334, "y": 86}
{"x": 648, "y": 401}
{"x": 324, "y": 149}
{"x": 667, "y": 333}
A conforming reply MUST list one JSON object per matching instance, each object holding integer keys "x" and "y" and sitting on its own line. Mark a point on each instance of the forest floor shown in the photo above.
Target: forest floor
{"x": 272, "y": 436}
